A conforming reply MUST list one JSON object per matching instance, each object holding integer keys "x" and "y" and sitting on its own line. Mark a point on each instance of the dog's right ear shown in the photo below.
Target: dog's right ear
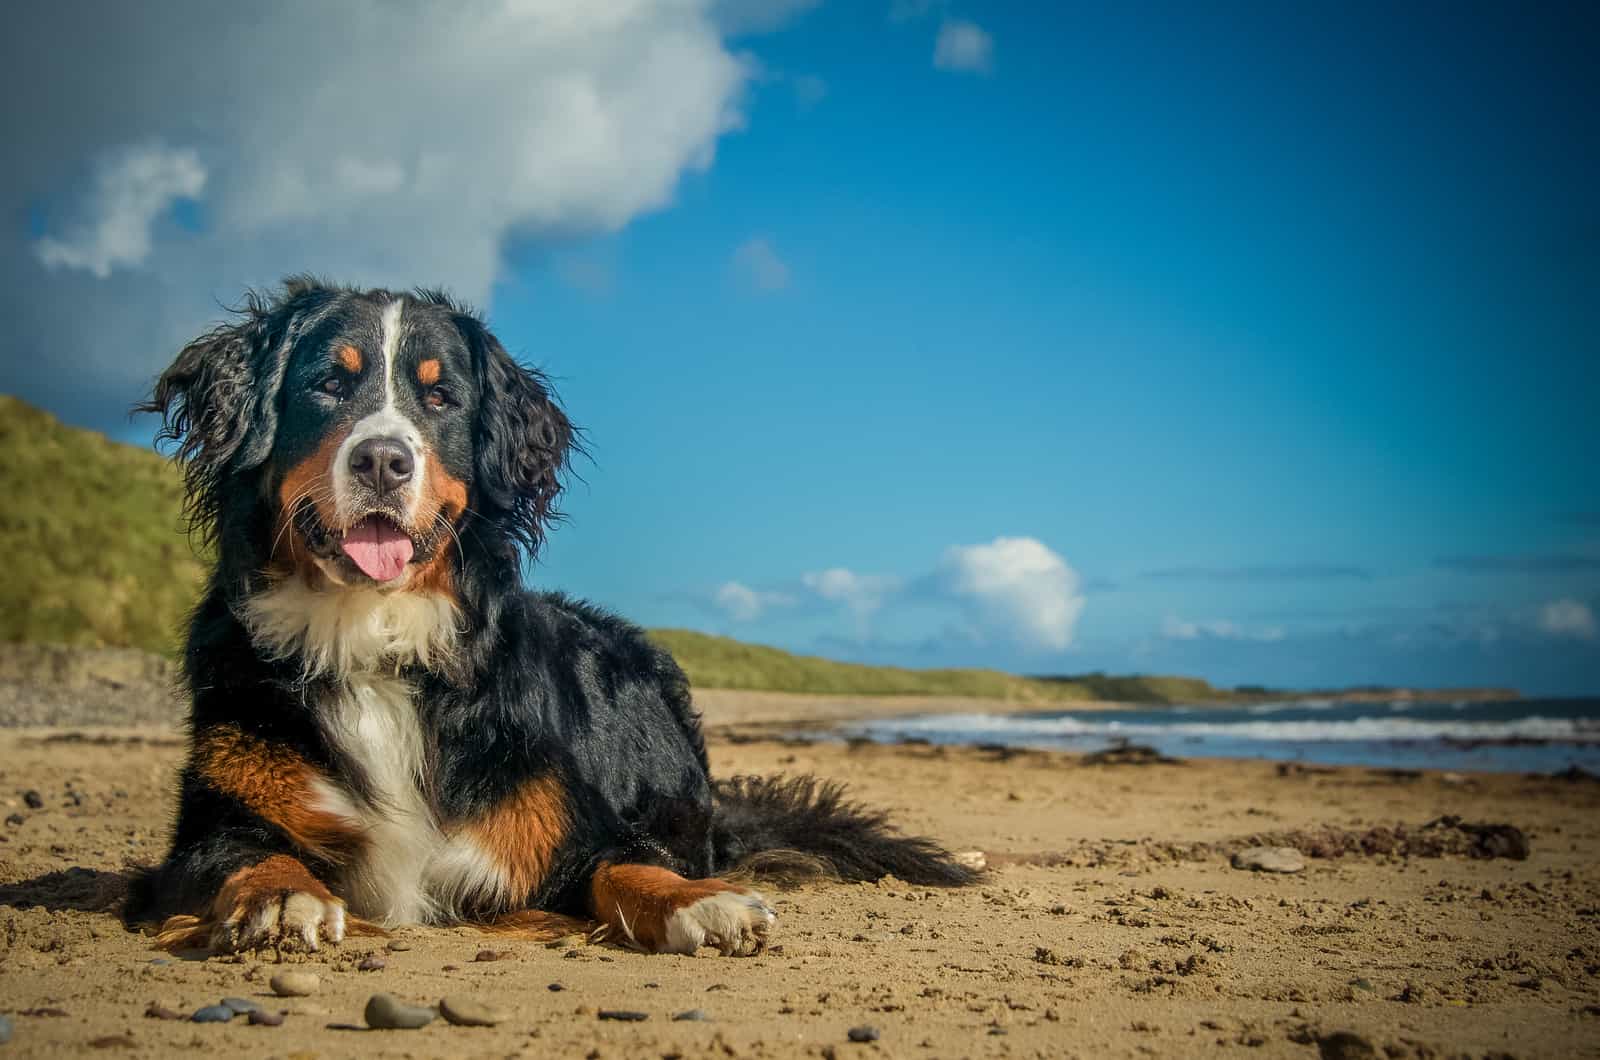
{"x": 218, "y": 403}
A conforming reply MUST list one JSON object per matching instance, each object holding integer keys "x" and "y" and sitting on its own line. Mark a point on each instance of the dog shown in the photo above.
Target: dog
{"x": 385, "y": 726}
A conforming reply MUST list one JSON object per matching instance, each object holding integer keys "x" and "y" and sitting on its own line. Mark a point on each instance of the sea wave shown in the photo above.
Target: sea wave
{"x": 1370, "y": 729}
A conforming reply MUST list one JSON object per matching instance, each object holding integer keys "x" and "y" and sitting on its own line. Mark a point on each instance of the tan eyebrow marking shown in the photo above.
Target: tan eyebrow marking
{"x": 428, "y": 372}
{"x": 350, "y": 357}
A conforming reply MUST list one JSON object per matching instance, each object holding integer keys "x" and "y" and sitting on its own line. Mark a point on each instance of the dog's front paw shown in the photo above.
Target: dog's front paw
{"x": 286, "y": 920}
{"x": 735, "y": 922}
{"x": 276, "y": 903}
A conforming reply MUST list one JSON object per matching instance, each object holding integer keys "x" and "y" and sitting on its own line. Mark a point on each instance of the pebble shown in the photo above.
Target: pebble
{"x": 1270, "y": 859}
{"x": 157, "y": 1011}
{"x": 464, "y": 1012}
{"x": 622, "y": 1014}
{"x": 33, "y": 799}
{"x": 372, "y": 964}
{"x": 5, "y": 1029}
{"x": 213, "y": 1014}
{"x": 15, "y": 819}
{"x": 260, "y": 1017}
{"x": 389, "y": 1013}
{"x": 556, "y": 988}
{"x": 863, "y": 1033}
{"x": 492, "y": 955}
{"x": 693, "y": 1015}
{"x": 398, "y": 946}
{"x": 294, "y": 984}
{"x": 241, "y": 1005}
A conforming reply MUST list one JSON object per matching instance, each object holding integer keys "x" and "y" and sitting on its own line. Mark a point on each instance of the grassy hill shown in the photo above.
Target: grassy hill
{"x": 98, "y": 558}
{"x": 93, "y": 534}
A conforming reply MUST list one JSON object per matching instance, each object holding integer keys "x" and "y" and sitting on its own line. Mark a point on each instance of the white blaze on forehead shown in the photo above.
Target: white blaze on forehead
{"x": 387, "y": 422}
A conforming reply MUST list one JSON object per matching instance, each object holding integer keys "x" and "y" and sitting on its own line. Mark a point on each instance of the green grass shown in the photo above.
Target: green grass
{"x": 98, "y": 558}
{"x": 722, "y": 662}
{"x": 93, "y": 531}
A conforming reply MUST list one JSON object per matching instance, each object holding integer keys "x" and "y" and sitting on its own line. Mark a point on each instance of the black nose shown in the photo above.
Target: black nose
{"x": 385, "y": 464}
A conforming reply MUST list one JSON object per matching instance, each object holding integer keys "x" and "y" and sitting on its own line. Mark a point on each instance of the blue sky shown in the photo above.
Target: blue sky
{"x": 1250, "y": 342}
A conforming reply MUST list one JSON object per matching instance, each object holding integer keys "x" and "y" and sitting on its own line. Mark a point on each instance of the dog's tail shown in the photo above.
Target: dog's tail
{"x": 794, "y": 828}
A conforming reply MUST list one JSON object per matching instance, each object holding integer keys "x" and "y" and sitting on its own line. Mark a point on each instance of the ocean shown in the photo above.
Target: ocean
{"x": 1523, "y": 736}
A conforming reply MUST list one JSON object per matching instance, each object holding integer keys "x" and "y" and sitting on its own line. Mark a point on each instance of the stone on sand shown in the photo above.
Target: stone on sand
{"x": 1270, "y": 859}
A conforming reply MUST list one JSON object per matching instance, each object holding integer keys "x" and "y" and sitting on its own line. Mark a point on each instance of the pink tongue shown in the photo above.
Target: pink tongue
{"x": 379, "y": 548}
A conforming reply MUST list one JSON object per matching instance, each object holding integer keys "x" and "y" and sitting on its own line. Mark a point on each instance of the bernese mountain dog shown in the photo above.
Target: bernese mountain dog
{"x": 383, "y": 719}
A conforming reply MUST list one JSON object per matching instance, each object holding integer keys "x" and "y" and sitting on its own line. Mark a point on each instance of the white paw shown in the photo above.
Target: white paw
{"x": 288, "y": 921}
{"x": 735, "y": 923}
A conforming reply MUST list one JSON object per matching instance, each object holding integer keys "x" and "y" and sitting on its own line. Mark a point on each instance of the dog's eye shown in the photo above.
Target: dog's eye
{"x": 438, "y": 398}
{"x": 333, "y": 386}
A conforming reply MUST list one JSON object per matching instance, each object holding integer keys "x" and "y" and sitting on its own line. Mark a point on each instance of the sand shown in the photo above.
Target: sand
{"x": 1112, "y": 924}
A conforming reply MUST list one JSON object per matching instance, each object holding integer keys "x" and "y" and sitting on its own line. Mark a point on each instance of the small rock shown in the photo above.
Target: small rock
{"x": 556, "y": 988}
{"x": 372, "y": 964}
{"x": 1270, "y": 859}
{"x": 388, "y": 1013}
{"x": 5, "y": 1029}
{"x": 622, "y": 1014}
{"x": 241, "y": 1005}
{"x": 694, "y": 1015}
{"x": 1345, "y": 1045}
{"x": 398, "y": 946}
{"x": 294, "y": 984}
{"x": 160, "y": 962}
{"x": 213, "y": 1014}
{"x": 485, "y": 956}
{"x": 33, "y": 799}
{"x": 863, "y": 1033}
{"x": 464, "y": 1012}
{"x": 14, "y": 819}
{"x": 157, "y": 1011}
{"x": 260, "y": 1017}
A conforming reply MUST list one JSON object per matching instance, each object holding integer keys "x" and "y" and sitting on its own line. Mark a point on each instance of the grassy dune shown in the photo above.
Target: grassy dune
{"x": 94, "y": 532}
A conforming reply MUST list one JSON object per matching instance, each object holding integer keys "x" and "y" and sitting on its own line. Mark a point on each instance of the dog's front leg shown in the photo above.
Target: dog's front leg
{"x": 662, "y": 912}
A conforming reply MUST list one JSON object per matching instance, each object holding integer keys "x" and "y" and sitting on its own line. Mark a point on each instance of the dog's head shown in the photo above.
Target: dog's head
{"x": 348, "y": 435}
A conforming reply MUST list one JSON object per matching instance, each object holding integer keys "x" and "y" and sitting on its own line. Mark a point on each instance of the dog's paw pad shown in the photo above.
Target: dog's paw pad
{"x": 735, "y": 922}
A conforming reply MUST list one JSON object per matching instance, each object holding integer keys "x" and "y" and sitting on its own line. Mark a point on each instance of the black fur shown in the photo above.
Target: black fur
{"x": 542, "y": 685}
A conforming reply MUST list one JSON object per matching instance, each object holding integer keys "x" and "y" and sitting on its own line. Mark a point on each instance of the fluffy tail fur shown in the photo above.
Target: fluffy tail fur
{"x": 793, "y": 828}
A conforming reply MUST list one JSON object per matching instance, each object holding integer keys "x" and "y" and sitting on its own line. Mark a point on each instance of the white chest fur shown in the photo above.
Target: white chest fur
{"x": 410, "y": 869}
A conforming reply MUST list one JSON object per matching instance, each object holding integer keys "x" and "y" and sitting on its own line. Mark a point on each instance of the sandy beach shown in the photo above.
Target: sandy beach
{"x": 1112, "y": 924}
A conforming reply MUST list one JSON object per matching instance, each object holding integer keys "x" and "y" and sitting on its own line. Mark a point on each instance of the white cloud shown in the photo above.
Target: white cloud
{"x": 744, "y": 604}
{"x": 758, "y": 263}
{"x": 1018, "y": 587}
{"x": 1568, "y": 618}
{"x": 964, "y": 47}
{"x": 368, "y": 141}
{"x": 132, "y": 187}
{"x": 1175, "y": 628}
{"x": 861, "y": 594}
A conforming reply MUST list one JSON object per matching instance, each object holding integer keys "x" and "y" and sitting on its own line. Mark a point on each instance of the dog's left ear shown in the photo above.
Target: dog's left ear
{"x": 523, "y": 439}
